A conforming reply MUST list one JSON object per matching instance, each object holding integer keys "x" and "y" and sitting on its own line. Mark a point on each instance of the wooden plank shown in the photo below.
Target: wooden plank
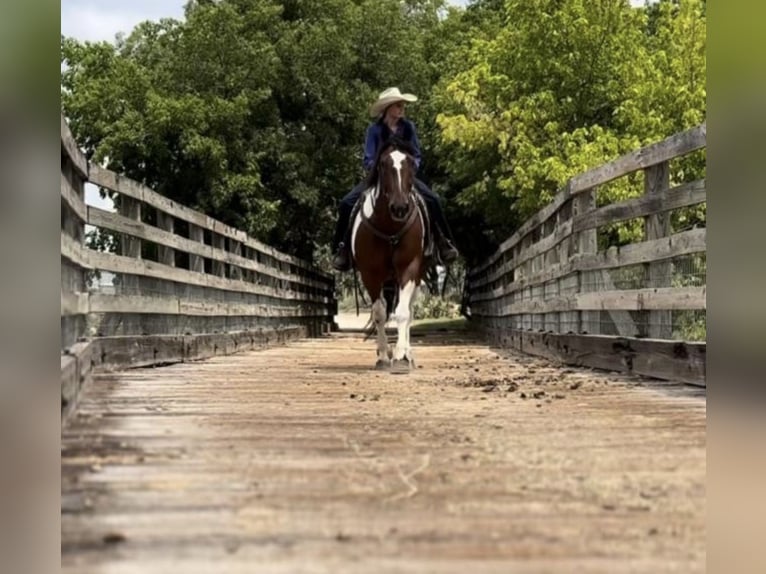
{"x": 79, "y": 161}
{"x": 76, "y": 369}
{"x": 69, "y": 379}
{"x": 165, "y": 254}
{"x": 661, "y": 359}
{"x": 101, "y": 303}
{"x": 524, "y": 255}
{"x": 586, "y": 243}
{"x": 684, "y": 243}
{"x": 126, "y": 186}
{"x": 74, "y": 251}
{"x": 235, "y": 254}
{"x": 560, "y": 234}
{"x": 219, "y": 244}
{"x": 197, "y": 238}
{"x": 430, "y": 473}
{"x": 537, "y": 219}
{"x": 73, "y": 199}
{"x": 116, "y": 222}
{"x": 661, "y": 298}
{"x": 120, "y": 264}
{"x": 674, "y": 146}
{"x": 684, "y": 195}
{"x": 677, "y": 298}
{"x": 145, "y": 351}
{"x": 657, "y": 226}
{"x": 74, "y": 304}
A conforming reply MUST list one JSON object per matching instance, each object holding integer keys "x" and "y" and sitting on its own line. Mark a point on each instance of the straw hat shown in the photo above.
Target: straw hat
{"x": 388, "y": 97}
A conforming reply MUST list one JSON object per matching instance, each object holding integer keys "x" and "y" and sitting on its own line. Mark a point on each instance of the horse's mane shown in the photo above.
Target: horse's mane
{"x": 395, "y": 142}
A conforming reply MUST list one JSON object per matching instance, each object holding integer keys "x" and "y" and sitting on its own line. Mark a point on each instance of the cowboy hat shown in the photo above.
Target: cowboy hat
{"x": 388, "y": 97}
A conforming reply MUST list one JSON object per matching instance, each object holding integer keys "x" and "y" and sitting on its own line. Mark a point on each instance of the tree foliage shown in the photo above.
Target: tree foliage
{"x": 546, "y": 89}
{"x": 254, "y": 111}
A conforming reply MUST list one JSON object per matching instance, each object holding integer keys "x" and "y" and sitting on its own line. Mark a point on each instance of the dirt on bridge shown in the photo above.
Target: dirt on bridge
{"x": 302, "y": 458}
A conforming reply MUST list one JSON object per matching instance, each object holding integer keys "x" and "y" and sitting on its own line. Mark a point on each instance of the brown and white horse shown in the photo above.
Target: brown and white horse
{"x": 387, "y": 241}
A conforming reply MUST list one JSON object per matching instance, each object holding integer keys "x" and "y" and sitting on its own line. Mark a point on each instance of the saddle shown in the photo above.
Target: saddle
{"x": 429, "y": 246}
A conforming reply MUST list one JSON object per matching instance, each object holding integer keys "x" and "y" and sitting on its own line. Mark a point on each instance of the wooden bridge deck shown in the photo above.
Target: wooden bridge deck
{"x": 301, "y": 459}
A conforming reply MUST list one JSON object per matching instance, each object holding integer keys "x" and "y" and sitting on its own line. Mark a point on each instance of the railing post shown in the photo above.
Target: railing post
{"x": 587, "y": 244}
{"x": 196, "y": 262}
{"x": 219, "y": 267}
{"x": 166, "y": 255}
{"x": 130, "y": 246}
{"x": 657, "y": 180}
{"x": 236, "y": 248}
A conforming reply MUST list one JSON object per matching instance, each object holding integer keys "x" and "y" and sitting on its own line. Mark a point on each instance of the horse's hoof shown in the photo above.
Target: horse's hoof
{"x": 382, "y": 365}
{"x": 400, "y": 366}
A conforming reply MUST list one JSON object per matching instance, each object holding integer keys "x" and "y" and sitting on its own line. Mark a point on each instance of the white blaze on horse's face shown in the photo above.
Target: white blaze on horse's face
{"x": 398, "y": 159}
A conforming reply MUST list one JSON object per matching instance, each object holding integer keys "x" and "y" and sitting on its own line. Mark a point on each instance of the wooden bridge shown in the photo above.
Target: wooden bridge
{"x": 215, "y": 419}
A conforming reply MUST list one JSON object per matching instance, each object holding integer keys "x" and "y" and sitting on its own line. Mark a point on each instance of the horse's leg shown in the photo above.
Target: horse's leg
{"x": 379, "y": 318}
{"x": 403, "y": 359}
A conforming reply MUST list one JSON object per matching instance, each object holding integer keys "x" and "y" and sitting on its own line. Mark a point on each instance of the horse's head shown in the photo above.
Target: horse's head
{"x": 396, "y": 178}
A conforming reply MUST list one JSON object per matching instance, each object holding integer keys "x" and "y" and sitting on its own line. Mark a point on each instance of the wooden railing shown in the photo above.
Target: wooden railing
{"x": 549, "y": 291}
{"x": 182, "y": 285}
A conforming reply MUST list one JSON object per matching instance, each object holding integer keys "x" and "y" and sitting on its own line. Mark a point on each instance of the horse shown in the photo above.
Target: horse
{"x": 387, "y": 245}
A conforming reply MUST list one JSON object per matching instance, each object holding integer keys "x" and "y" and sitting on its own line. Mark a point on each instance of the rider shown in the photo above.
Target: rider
{"x": 388, "y": 110}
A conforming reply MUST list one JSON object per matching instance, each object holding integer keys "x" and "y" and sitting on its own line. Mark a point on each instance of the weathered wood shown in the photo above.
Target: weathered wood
{"x": 72, "y": 150}
{"x": 674, "y": 146}
{"x": 528, "y": 226}
{"x": 99, "y": 303}
{"x": 639, "y": 299}
{"x": 586, "y": 244}
{"x": 544, "y": 245}
{"x": 655, "y": 204}
{"x": 662, "y": 359}
{"x": 130, "y": 209}
{"x": 73, "y": 199}
{"x": 301, "y": 458}
{"x": 115, "y": 222}
{"x": 126, "y": 186}
{"x": 620, "y": 300}
{"x": 127, "y": 265}
{"x": 74, "y": 303}
{"x": 145, "y": 351}
{"x": 74, "y": 251}
{"x": 657, "y": 226}
{"x": 76, "y": 369}
{"x": 684, "y": 243}
{"x": 165, "y": 254}
{"x": 235, "y": 254}
{"x": 219, "y": 244}
{"x": 196, "y": 248}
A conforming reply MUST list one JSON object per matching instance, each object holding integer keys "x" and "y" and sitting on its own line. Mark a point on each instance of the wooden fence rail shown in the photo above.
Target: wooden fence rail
{"x": 182, "y": 285}
{"x": 549, "y": 291}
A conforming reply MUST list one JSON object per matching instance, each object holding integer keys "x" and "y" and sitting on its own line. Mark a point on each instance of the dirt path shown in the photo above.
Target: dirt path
{"x": 302, "y": 459}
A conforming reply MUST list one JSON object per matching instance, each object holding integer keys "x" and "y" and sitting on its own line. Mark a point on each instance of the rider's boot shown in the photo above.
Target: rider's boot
{"x": 342, "y": 261}
{"x": 447, "y": 251}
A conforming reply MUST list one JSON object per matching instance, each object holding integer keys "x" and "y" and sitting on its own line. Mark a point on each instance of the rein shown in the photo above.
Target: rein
{"x": 395, "y": 238}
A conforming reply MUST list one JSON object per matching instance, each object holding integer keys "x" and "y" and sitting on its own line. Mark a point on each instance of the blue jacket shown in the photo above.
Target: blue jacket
{"x": 379, "y": 132}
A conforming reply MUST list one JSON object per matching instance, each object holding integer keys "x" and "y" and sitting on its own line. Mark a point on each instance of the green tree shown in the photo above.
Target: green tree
{"x": 560, "y": 87}
{"x": 253, "y": 112}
